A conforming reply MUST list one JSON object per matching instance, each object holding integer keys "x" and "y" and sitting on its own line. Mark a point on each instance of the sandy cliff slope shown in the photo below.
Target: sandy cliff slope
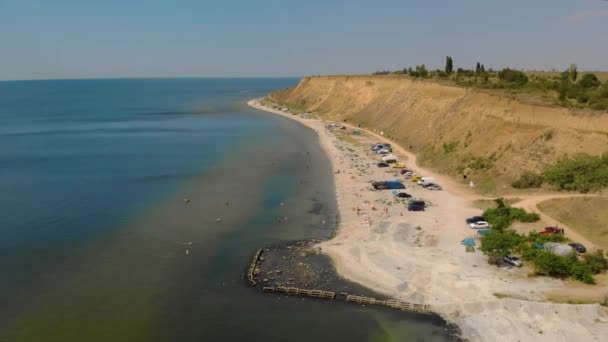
{"x": 452, "y": 126}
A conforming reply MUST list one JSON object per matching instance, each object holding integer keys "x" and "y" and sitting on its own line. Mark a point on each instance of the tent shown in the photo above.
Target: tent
{"x": 557, "y": 248}
{"x": 468, "y": 242}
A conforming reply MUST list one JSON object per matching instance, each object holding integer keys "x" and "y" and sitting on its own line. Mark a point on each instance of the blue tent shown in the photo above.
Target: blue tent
{"x": 468, "y": 242}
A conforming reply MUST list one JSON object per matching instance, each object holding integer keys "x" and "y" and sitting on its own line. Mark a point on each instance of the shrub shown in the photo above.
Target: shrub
{"x": 583, "y": 172}
{"x": 582, "y": 273}
{"x": 547, "y": 263}
{"x": 450, "y": 147}
{"x": 523, "y": 216}
{"x": 503, "y": 215}
{"x": 589, "y": 81}
{"x": 481, "y": 163}
{"x": 500, "y": 243}
{"x": 597, "y": 262}
{"x": 528, "y": 252}
{"x": 528, "y": 180}
{"x": 495, "y": 259}
{"x": 513, "y": 76}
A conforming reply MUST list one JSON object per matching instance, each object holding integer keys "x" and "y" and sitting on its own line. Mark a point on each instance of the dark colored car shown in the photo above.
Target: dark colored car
{"x": 578, "y": 247}
{"x": 388, "y": 185}
{"x": 403, "y": 195}
{"x": 404, "y": 171}
{"x": 416, "y": 206}
{"x": 475, "y": 219}
{"x": 382, "y": 165}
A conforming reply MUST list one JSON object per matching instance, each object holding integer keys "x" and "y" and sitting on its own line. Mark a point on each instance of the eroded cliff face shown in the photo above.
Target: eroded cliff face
{"x": 456, "y": 130}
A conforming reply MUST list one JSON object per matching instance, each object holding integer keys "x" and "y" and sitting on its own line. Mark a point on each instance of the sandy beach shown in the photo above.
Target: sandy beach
{"x": 418, "y": 257}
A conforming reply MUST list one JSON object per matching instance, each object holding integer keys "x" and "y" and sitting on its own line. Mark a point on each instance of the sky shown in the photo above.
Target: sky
{"x": 248, "y": 38}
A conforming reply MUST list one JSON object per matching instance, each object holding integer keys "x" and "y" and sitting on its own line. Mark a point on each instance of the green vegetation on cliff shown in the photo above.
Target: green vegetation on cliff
{"x": 582, "y": 172}
{"x": 565, "y": 89}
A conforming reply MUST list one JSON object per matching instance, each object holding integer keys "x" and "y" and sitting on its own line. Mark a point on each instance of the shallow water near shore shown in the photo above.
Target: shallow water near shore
{"x": 98, "y": 243}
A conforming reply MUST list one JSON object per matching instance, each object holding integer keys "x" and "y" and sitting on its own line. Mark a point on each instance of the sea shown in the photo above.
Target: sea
{"x": 130, "y": 209}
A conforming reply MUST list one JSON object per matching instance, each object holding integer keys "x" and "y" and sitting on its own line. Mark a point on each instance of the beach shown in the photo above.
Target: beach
{"x": 418, "y": 256}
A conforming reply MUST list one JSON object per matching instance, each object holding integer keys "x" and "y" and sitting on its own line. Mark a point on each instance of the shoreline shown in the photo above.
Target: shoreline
{"x": 417, "y": 257}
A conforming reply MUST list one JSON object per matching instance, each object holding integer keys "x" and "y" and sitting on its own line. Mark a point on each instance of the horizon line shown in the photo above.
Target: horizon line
{"x": 140, "y": 78}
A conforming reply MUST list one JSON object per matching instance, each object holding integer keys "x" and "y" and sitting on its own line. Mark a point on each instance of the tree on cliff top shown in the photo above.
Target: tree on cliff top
{"x": 449, "y": 65}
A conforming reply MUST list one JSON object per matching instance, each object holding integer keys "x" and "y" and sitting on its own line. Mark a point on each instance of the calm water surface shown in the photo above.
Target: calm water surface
{"x": 98, "y": 244}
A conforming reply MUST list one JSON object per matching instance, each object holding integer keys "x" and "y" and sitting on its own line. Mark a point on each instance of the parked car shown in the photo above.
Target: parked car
{"x": 416, "y": 206}
{"x": 384, "y": 185}
{"x": 552, "y": 231}
{"x": 479, "y": 225}
{"x": 384, "y": 151}
{"x": 408, "y": 174}
{"x": 433, "y": 186}
{"x": 475, "y": 219}
{"x": 578, "y": 247}
{"x": 513, "y": 260}
{"x": 426, "y": 181}
{"x": 380, "y": 146}
{"x": 415, "y": 179}
{"x": 399, "y": 165}
{"x": 392, "y": 158}
{"x": 403, "y": 195}
{"x": 382, "y": 164}
{"x": 404, "y": 171}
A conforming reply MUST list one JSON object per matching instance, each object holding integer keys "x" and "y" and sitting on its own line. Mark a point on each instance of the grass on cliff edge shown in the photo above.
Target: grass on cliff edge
{"x": 587, "y": 215}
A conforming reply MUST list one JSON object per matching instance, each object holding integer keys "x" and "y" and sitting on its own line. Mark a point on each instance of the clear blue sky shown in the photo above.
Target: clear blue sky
{"x": 130, "y": 38}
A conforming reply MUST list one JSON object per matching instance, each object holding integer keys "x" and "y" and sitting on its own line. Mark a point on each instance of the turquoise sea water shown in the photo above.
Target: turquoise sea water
{"x": 97, "y": 243}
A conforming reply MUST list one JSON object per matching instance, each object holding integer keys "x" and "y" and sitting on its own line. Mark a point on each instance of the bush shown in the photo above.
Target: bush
{"x": 597, "y": 262}
{"x": 513, "y": 76}
{"x": 450, "y": 147}
{"x": 523, "y": 216}
{"x": 503, "y": 215}
{"x": 500, "y": 243}
{"x": 528, "y": 252}
{"x": 581, "y": 272}
{"x": 589, "y": 81}
{"x": 583, "y": 172}
{"x": 547, "y": 263}
{"x": 495, "y": 259}
{"x": 528, "y": 180}
{"x": 481, "y": 163}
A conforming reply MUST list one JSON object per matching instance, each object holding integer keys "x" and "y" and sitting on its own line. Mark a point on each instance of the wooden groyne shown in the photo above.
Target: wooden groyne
{"x": 390, "y": 303}
{"x": 301, "y": 292}
{"x": 255, "y": 268}
{"x": 252, "y": 267}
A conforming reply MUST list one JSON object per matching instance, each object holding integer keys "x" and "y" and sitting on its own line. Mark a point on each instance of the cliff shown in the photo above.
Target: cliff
{"x": 455, "y": 130}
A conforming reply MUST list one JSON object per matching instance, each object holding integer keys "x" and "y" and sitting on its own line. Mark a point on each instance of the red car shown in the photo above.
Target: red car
{"x": 552, "y": 231}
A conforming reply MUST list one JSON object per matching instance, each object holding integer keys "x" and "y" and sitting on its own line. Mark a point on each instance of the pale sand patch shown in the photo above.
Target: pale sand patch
{"x": 429, "y": 265}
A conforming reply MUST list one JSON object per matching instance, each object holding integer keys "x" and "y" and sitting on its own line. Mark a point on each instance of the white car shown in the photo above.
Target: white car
{"x": 513, "y": 260}
{"x": 479, "y": 225}
{"x": 434, "y": 187}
